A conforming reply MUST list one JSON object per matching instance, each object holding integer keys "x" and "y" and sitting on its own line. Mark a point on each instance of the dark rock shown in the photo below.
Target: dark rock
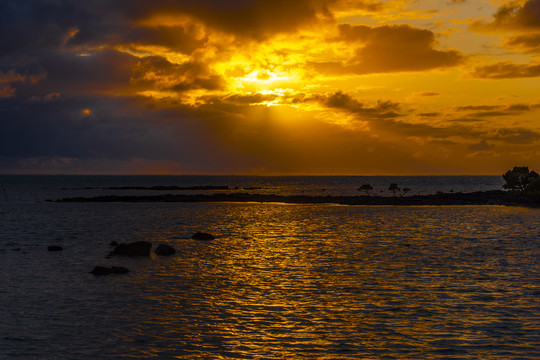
{"x": 137, "y": 248}
{"x": 102, "y": 270}
{"x": 165, "y": 250}
{"x": 54, "y": 248}
{"x": 202, "y": 236}
{"x": 114, "y": 243}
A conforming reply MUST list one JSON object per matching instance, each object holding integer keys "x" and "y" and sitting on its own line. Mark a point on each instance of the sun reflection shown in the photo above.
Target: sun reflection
{"x": 283, "y": 280}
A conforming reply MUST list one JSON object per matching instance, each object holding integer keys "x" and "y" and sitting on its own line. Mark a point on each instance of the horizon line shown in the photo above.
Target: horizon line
{"x": 246, "y": 174}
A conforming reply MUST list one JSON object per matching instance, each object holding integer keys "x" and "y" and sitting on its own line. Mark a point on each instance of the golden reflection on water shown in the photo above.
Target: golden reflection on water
{"x": 286, "y": 282}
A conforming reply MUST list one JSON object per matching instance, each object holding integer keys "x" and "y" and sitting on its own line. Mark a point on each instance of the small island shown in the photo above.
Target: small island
{"x": 495, "y": 197}
{"x": 523, "y": 190}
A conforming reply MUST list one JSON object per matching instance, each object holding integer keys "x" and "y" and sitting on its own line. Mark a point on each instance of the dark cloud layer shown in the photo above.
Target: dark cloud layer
{"x": 384, "y": 119}
{"x": 129, "y": 81}
{"x": 257, "y": 18}
{"x": 37, "y": 25}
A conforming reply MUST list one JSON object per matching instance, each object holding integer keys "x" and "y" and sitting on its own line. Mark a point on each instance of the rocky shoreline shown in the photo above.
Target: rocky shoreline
{"x": 495, "y": 197}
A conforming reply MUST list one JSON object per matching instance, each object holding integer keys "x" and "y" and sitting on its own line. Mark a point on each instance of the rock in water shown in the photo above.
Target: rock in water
{"x": 137, "y": 248}
{"x": 54, "y": 248}
{"x": 113, "y": 243}
{"x": 165, "y": 250}
{"x": 103, "y": 270}
{"x": 202, "y": 236}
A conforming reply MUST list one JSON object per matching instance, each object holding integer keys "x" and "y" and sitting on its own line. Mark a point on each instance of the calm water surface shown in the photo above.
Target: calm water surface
{"x": 279, "y": 282}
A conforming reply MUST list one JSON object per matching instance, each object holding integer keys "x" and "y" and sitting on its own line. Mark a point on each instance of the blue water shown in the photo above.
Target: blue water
{"x": 279, "y": 282}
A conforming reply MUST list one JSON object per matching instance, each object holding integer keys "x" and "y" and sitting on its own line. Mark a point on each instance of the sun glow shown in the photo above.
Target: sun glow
{"x": 262, "y": 80}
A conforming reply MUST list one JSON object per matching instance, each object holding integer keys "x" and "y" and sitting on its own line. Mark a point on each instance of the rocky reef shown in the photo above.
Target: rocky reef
{"x": 494, "y": 197}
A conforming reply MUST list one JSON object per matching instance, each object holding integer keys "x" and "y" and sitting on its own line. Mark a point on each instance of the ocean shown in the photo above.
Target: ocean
{"x": 280, "y": 281}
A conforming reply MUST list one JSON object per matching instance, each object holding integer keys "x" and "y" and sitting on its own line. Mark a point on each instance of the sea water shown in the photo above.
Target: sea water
{"x": 280, "y": 281}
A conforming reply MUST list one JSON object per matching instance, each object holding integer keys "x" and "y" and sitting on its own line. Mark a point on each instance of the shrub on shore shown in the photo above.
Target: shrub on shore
{"x": 519, "y": 178}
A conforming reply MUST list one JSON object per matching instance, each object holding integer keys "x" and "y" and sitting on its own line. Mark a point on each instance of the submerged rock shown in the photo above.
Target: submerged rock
{"x": 165, "y": 250}
{"x": 103, "y": 270}
{"x": 54, "y": 248}
{"x": 202, "y": 236}
{"x": 137, "y": 248}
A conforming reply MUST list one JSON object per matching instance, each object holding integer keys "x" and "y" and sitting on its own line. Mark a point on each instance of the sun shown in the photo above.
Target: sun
{"x": 263, "y": 80}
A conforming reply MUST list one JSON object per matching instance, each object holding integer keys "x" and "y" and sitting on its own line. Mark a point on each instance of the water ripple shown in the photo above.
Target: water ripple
{"x": 280, "y": 282}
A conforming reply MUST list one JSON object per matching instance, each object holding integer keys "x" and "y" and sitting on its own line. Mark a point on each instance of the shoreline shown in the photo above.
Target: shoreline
{"x": 494, "y": 197}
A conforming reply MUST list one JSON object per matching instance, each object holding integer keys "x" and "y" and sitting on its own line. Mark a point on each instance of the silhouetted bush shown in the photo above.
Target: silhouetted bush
{"x": 518, "y": 178}
{"x": 366, "y": 187}
{"x": 393, "y": 188}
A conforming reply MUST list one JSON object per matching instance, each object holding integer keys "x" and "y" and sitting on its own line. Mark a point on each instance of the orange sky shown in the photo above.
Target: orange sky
{"x": 271, "y": 87}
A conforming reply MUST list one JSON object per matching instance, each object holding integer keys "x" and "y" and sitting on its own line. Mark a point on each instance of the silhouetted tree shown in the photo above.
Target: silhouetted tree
{"x": 366, "y": 187}
{"x": 406, "y": 190}
{"x": 518, "y": 178}
{"x": 393, "y": 188}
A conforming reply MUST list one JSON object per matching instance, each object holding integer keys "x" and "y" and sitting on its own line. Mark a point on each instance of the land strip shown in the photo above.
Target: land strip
{"x": 495, "y": 197}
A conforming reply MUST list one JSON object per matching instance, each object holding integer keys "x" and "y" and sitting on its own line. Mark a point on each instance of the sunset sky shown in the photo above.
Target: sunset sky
{"x": 344, "y": 87}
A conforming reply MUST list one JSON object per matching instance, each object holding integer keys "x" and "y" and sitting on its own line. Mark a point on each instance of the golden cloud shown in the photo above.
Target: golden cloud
{"x": 389, "y": 48}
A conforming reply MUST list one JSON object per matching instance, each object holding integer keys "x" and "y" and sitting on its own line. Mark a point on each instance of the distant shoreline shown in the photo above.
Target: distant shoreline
{"x": 494, "y": 197}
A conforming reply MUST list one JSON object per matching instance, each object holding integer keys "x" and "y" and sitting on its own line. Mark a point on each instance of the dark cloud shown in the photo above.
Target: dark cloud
{"x": 382, "y": 118}
{"x": 105, "y": 72}
{"x": 430, "y": 114}
{"x": 157, "y": 73}
{"x": 10, "y": 77}
{"x": 248, "y": 99}
{"x": 34, "y": 26}
{"x": 513, "y": 17}
{"x": 250, "y": 18}
{"x": 368, "y": 6}
{"x": 60, "y": 129}
{"x": 343, "y": 101}
{"x": 481, "y": 146}
{"x": 390, "y": 48}
{"x": 115, "y": 130}
{"x": 41, "y": 25}
{"x": 490, "y": 111}
{"x": 506, "y": 70}
{"x": 515, "y": 136}
{"x": 477, "y": 107}
{"x": 182, "y": 39}
{"x": 528, "y": 43}
{"x": 468, "y": 120}
{"x": 254, "y": 18}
